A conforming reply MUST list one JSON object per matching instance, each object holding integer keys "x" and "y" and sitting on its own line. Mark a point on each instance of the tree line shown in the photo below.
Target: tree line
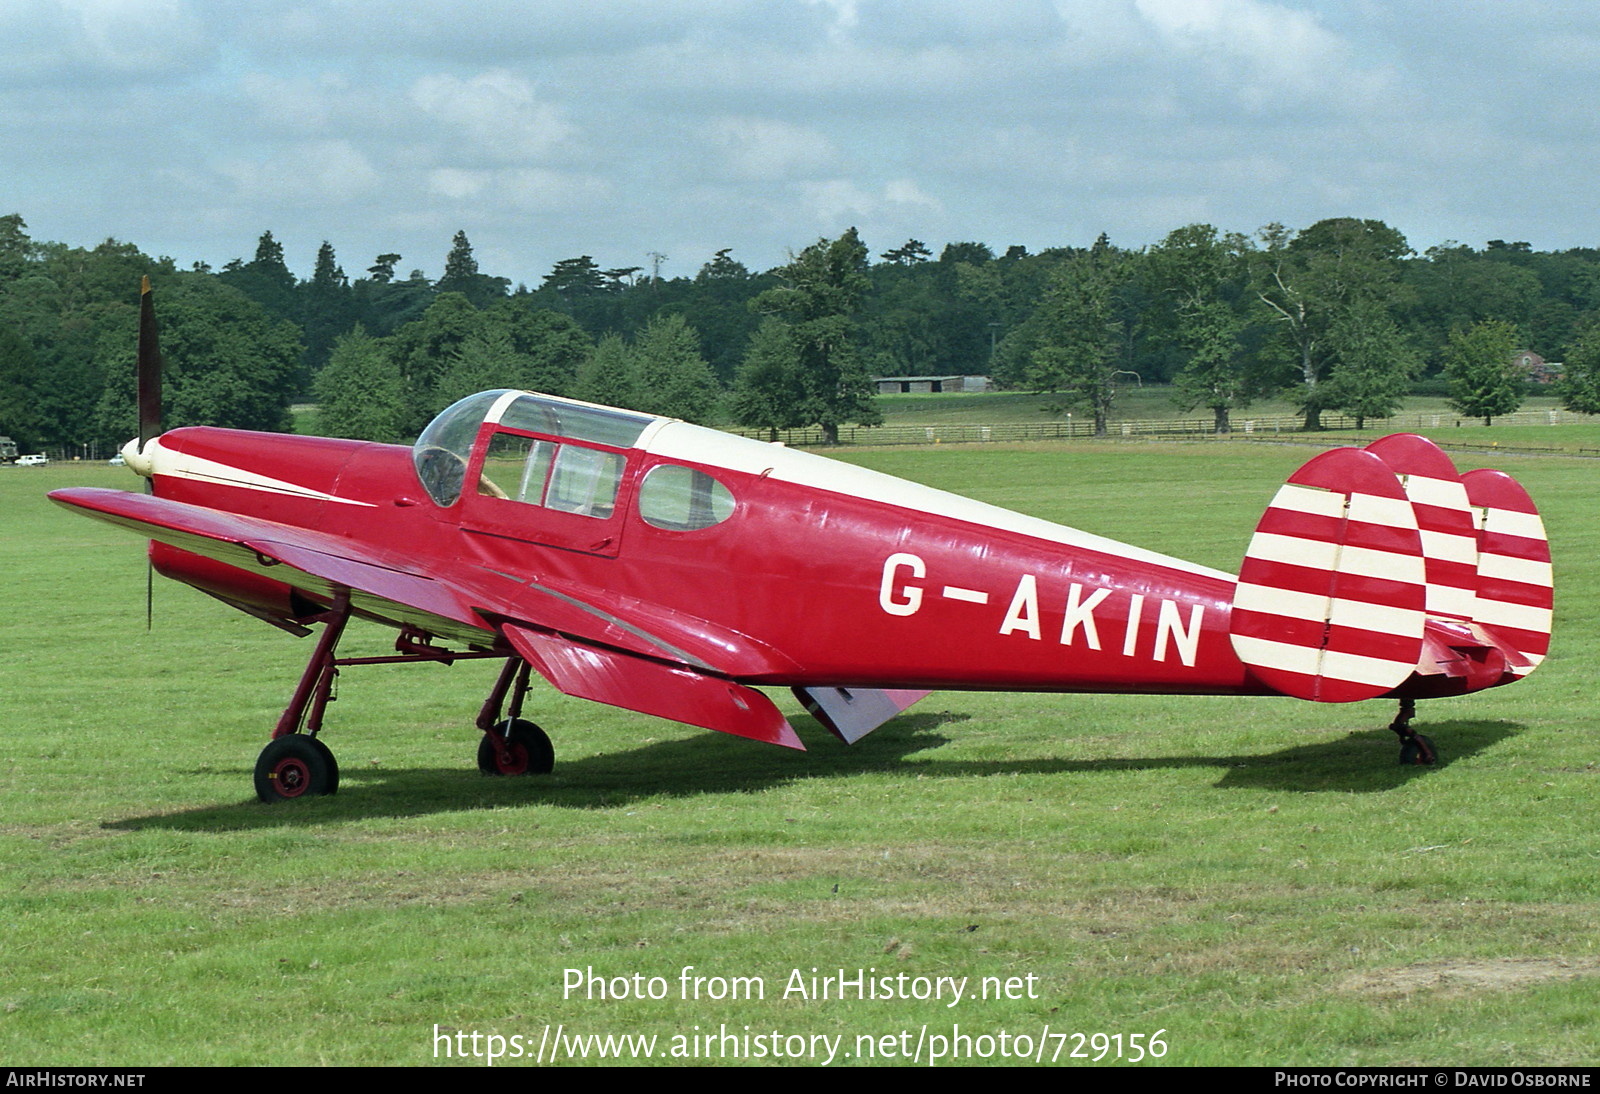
{"x": 1342, "y": 316}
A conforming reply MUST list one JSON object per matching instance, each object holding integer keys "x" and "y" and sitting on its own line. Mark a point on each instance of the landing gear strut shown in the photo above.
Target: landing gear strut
{"x": 1414, "y": 747}
{"x": 512, "y": 745}
{"x": 297, "y": 764}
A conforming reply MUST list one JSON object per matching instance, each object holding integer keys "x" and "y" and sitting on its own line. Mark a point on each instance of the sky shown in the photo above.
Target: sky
{"x": 623, "y": 129}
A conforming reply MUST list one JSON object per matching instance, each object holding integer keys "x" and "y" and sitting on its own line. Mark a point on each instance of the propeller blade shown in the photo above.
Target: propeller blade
{"x": 149, "y": 381}
{"x": 149, "y": 368}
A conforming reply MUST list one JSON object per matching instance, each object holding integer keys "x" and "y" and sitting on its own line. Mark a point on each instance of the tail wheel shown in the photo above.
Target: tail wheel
{"x": 1417, "y": 749}
{"x": 295, "y": 766}
{"x": 516, "y": 747}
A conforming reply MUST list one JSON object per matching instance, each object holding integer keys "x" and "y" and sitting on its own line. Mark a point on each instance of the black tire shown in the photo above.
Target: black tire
{"x": 1417, "y": 750}
{"x": 295, "y": 766}
{"x": 528, "y": 750}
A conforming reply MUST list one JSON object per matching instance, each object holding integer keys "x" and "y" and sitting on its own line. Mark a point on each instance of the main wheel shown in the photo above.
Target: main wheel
{"x": 523, "y": 749}
{"x": 295, "y": 766}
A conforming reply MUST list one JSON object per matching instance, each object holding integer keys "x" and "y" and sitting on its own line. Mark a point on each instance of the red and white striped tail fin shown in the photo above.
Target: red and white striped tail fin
{"x": 1381, "y": 567}
{"x": 1332, "y": 596}
{"x": 1515, "y": 594}
{"x": 1444, "y": 517}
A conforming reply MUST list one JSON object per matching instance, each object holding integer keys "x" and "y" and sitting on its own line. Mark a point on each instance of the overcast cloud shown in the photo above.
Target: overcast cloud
{"x": 620, "y": 128}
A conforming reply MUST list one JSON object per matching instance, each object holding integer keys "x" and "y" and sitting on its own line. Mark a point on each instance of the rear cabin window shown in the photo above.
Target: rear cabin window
{"x": 683, "y": 499}
{"x": 566, "y": 477}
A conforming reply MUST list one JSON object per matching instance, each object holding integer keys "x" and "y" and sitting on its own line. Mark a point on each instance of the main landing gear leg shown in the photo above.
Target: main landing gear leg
{"x": 512, "y": 745}
{"x": 296, "y": 764}
{"x": 1414, "y": 747}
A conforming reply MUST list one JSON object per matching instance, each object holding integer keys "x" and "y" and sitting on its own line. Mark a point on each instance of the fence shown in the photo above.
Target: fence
{"x": 952, "y": 433}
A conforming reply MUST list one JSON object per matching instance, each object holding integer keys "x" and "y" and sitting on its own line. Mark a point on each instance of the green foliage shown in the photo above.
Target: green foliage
{"x": 461, "y": 275}
{"x": 1308, "y": 281}
{"x": 265, "y": 279}
{"x": 1372, "y": 365}
{"x": 1579, "y": 387}
{"x": 486, "y": 359}
{"x": 574, "y": 277}
{"x": 1485, "y": 380}
{"x": 606, "y": 376}
{"x": 820, "y": 292}
{"x": 19, "y": 418}
{"x": 1082, "y": 334}
{"x": 669, "y": 375}
{"x": 227, "y": 362}
{"x": 1202, "y": 274}
{"x": 358, "y": 392}
{"x": 767, "y": 393}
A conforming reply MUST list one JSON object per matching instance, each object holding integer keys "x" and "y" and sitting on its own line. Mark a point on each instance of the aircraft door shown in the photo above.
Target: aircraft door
{"x": 547, "y": 490}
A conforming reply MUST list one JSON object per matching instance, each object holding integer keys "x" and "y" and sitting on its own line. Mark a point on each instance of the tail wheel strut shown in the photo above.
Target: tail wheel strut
{"x": 1415, "y": 749}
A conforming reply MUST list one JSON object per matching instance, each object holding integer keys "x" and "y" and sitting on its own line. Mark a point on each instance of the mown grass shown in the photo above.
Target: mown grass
{"x": 1255, "y": 877}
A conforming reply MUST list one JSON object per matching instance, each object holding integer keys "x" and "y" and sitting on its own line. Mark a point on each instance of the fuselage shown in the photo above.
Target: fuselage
{"x": 761, "y": 562}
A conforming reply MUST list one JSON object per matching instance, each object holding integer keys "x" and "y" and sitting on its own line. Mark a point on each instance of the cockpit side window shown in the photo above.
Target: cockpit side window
{"x": 569, "y": 478}
{"x": 516, "y": 467}
{"x": 683, "y": 499}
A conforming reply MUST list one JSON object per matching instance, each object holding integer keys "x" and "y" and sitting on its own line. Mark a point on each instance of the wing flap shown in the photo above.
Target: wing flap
{"x": 653, "y": 687}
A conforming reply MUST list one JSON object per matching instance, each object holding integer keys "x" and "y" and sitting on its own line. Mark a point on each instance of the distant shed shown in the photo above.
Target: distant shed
{"x": 929, "y": 385}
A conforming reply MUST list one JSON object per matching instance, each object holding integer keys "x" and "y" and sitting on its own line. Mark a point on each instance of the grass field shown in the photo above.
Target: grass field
{"x": 1255, "y": 879}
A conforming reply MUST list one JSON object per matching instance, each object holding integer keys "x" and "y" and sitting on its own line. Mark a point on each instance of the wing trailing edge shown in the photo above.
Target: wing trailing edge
{"x": 652, "y": 687}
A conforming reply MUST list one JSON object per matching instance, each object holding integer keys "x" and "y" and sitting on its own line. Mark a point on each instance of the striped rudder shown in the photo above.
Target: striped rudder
{"x": 1332, "y": 594}
{"x": 1515, "y": 585}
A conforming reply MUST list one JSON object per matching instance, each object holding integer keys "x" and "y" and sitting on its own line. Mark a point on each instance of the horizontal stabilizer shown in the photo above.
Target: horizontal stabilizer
{"x": 653, "y": 687}
{"x": 852, "y": 713}
{"x": 1331, "y": 596}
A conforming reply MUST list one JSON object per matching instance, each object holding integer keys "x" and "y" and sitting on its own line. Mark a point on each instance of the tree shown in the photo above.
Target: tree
{"x": 909, "y": 253}
{"x": 1307, "y": 280}
{"x": 266, "y": 279}
{"x": 18, "y": 414}
{"x": 461, "y": 275}
{"x": 1082, "y": 335}
{"x": 486, "y": 359}
{"x": 1202, "y": 274}
{"x": 228, "y": 362}
{"x": 670, "y": 377}
{"x": 606, "y": 376}
{"x": 1580, "y": 381}
{"x": 326, "y": 308}
{"x": 1372, "y": 365}
{"x": 767, "y": 393}
{"x": 723, "y": 267}
{"x": 358, "y": 392}
{"x": 573, "y": 277}
{"x": 1485, "y": 380}
{"x": 820, "y": 292}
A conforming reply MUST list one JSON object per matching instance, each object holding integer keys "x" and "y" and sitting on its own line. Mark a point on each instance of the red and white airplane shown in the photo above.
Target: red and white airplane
{"x": 672, "y": 569}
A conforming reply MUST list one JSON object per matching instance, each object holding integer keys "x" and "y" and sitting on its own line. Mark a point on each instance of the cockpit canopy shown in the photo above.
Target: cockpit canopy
{"x": 444, "y": 449}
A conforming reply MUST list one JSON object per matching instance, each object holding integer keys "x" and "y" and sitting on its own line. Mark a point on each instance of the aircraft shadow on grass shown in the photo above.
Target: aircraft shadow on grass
{"x": 1359, "y": 762}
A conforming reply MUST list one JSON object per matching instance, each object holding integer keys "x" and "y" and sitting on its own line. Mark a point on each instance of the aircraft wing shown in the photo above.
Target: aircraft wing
{"x": 640, "y": 660}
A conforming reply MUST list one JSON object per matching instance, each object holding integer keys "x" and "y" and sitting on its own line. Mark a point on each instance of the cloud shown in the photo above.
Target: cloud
{"x": 497, "y": 113}
{"x": 761, "y": 149}
{"x": 99, "y": 41}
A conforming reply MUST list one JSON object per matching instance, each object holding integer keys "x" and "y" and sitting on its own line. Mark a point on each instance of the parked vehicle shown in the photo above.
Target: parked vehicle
{"x": 38, "y": 459}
